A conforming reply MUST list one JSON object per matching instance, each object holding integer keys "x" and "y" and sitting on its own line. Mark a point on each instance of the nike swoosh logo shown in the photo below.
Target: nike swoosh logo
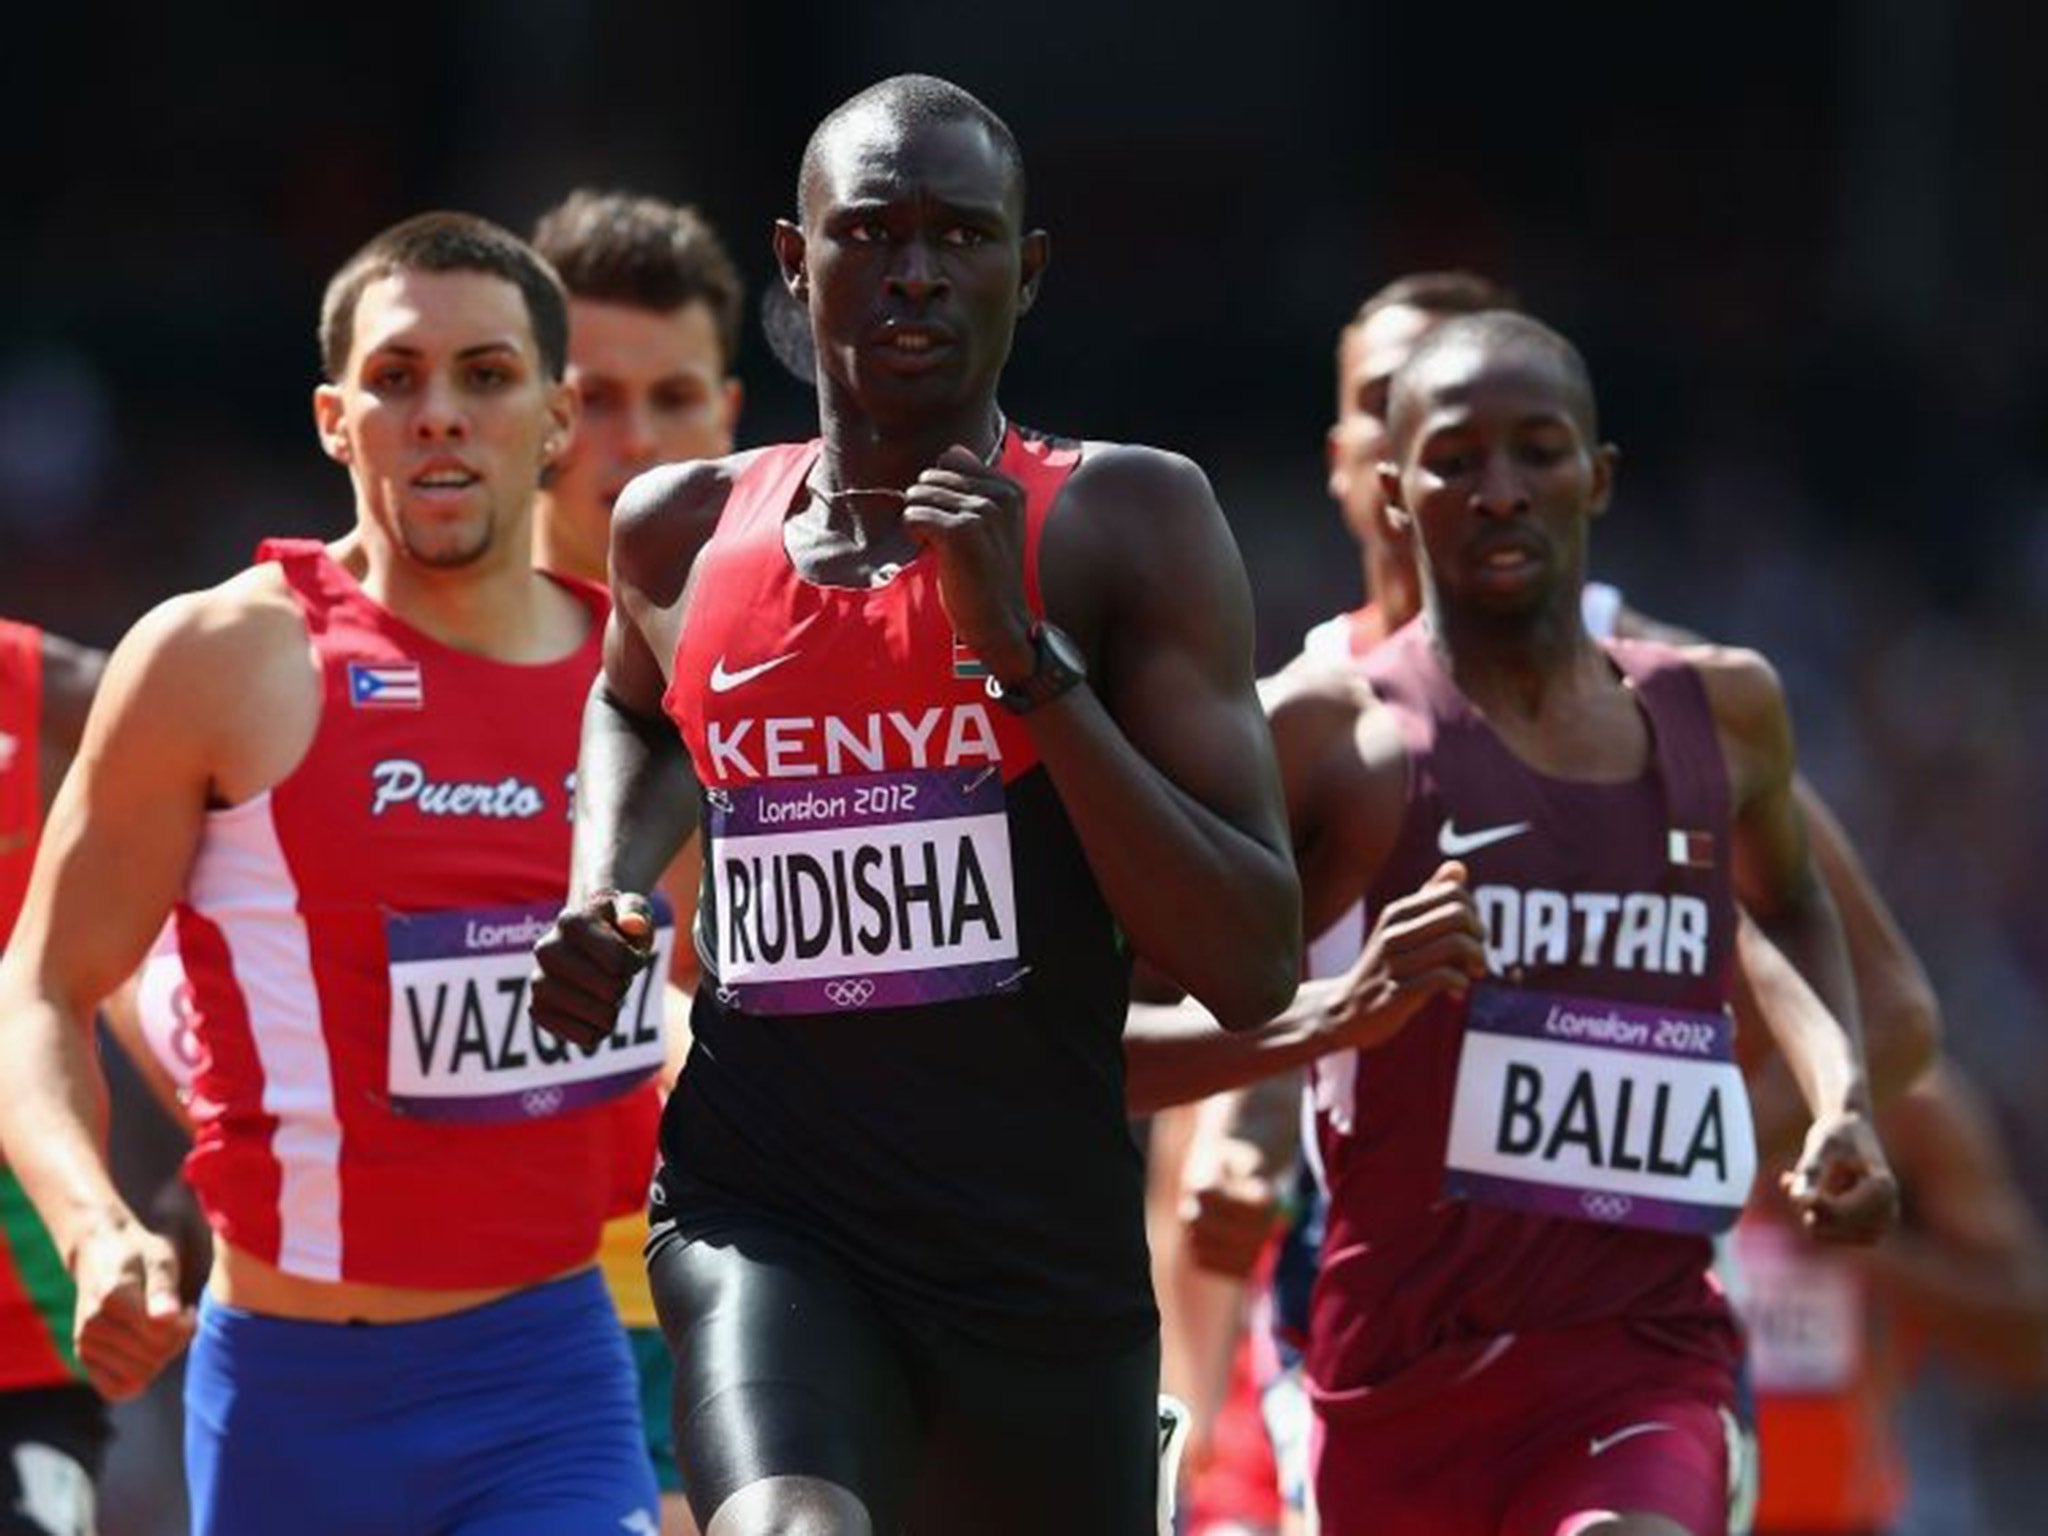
{"x": 723, "y": 681}
{"x": 1455, "y": 844}
{"x": 1598, "y": 1443}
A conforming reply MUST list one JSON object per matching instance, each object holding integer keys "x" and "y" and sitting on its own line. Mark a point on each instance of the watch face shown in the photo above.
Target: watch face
{"x": 1065, "y": 654}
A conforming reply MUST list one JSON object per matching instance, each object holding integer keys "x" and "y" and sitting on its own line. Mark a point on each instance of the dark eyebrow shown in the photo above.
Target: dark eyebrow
{"x": 482, "y": 348}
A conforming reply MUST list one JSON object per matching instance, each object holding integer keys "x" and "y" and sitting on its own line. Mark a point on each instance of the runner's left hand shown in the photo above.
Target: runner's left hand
{"x": 1843, "y": 1187}
{"x": 972, "y": 519}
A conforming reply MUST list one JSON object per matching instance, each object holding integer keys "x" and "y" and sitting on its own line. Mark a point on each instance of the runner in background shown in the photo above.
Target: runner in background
{"x": 53, "y": 1425}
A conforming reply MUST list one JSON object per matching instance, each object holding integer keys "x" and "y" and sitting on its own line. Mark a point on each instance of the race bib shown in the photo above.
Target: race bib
{"x": 1600, "y": 1111}
{"x": 1802, "y": 1309}
{"x": 462, "y": 1046}
{"x": 882, "y": 890}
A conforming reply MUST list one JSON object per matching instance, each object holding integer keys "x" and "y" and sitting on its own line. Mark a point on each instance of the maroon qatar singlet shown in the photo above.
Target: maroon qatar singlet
{"x": 371, "y": 1101}
{"x": 1554, "y": 1150}
{"x": 909, "y": 1035}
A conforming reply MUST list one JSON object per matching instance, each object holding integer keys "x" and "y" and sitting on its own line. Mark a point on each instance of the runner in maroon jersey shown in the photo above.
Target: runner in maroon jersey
{"x": 966, "y": 706}
{"x": 1520, "y": 1176}
{"x": 354, "y": 792}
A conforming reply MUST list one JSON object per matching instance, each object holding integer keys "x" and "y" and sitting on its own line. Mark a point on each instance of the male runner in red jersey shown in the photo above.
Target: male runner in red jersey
{"x": 355, "y": 804}
{"x": 966, "y": 706}
{"x": 53, "y": 1427}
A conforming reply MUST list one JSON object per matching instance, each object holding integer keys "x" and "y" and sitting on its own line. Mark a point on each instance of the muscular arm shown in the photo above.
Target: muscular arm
{"x": 1970, "y": 1271}
{"x": 1900, "y": 1016}
{"x": 1841, "y": 1184}
{"x": 1164, "y": 764}
{"x": 1344, "y": 783}
{"x": 636, "y": 792}
{"x": 1779, "y": 886}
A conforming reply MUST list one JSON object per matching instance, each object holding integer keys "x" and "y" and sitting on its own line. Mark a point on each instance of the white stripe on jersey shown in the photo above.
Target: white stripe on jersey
{"x": 242, "y": 884}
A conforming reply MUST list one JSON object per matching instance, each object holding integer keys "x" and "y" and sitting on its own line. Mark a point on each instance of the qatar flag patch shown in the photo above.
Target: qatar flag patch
{"x": 1691, "y": 850}
{"x": 386, "y": 685}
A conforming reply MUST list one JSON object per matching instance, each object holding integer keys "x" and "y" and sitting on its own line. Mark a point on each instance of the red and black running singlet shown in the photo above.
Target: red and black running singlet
{"x": 909, "y": 1031}
{"x": 36, "y": 1295}
{"x": 1553, "y": 1150}
{"x": 371, "y": 1102}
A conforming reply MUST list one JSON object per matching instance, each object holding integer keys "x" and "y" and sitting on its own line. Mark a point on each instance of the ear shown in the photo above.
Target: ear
{"x": 1037, "y": 256}
{"x": 564, "y": 405}
{"x": 1606, "y": 465}
{"x": 327, "y": 422}
{"x": 788, "y": 242}
{"x": 1339, "y": 481}
{"x": 1399, "y": 522}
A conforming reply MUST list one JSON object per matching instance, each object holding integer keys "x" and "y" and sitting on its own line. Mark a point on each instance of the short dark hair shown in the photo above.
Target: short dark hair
{"x": 447, "y": 242}
{"x": 914, "y": 101}
{"x": 1501, "y": 328}
{"x": 621, "y": 248}
{"x": 1451, "y": 292}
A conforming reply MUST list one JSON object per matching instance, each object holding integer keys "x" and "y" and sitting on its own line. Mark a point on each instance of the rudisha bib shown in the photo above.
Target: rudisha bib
{"x": 870, "y": 891}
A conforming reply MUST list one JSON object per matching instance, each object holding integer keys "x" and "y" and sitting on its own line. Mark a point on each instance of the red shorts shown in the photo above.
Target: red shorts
{"x": 1551, "y": 1431}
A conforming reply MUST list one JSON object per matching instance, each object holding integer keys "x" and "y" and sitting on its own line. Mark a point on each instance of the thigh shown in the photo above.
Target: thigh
{"x": 784, "y": 1368}
{"x": 1025, "y": 1444}
{"x": 51, "y": 1443}
{"x": 1645, "y": 1454}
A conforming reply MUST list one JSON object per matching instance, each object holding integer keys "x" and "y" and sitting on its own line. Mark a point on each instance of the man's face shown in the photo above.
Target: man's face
{"x": 911, "y": 263}
{"x": 444, "y": 414}
{"x": 1368, "y": 356}
{"x": 652, "y": 389}
{"x": 1495, "y": 474}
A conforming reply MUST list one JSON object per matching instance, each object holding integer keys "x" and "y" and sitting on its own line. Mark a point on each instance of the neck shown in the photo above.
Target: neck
{"x": 1392, "y": 583}
{"x": 1516, "y": 663}
{"x": 863, "y": 453}
{"x": 491, "y": 606}
{"x": 558, "y": 546}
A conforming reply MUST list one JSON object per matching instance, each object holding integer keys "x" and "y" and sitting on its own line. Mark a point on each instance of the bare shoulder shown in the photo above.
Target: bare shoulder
{"x": 234, "y": 657}
{"x": 1327, "y": 720}
{"x": 1742, "y": 687}
{"x": 663, "y": 517}
{"x": 1131, "y": 484}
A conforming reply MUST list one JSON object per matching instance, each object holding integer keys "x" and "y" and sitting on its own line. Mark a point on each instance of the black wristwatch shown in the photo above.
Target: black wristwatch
{"x": 1056, "y": 665}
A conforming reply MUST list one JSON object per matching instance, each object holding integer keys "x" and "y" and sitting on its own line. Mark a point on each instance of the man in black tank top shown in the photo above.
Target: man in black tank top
{"x": 898, "y": 1245}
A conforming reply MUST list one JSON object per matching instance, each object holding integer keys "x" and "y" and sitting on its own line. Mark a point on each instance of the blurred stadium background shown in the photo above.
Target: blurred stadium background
{"x": 1802, "y": 245}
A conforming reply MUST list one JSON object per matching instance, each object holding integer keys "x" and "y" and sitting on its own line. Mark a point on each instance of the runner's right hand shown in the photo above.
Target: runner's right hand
{"x": 129, "y": 1323}
{"x": 1423, "y": 945}
{"x": 584, "y": 965}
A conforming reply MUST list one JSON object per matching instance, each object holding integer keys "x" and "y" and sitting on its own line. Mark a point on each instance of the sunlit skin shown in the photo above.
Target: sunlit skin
{"x": 444, "y": 416}
{"x": 652, "y": 388}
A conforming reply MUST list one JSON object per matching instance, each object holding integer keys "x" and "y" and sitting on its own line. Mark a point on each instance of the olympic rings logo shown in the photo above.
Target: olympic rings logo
{"x": 1606, "y": 1207}
{"x": 850, "y": 993}
{"x": 540, "y": 1101}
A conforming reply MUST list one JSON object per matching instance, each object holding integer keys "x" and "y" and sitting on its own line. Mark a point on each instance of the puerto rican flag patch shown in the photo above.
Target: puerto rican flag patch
{"x": 386, "y": 685}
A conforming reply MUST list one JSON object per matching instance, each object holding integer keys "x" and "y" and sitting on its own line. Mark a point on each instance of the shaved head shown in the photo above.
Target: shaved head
{"x": 1456, "y": 350}
{"x": 890, "y": 108}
